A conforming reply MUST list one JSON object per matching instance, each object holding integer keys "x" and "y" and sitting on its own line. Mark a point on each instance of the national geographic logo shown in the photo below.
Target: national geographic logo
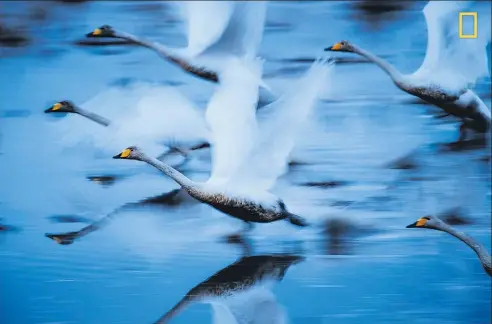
{"x": 464, "y": 21}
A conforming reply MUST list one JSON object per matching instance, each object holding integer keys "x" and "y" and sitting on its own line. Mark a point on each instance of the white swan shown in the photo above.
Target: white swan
{"x": 451, "y": 66}
{"x": 130, "y": 114}
{"x": 249, "y": 152}
{"x": 216, "y": 30}
{"x": 432, "y": 222}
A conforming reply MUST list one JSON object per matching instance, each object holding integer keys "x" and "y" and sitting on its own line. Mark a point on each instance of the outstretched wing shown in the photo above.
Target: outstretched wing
{"x": 449, "y": 58}
{"x": 216, "y": 27}
{"x": 243, "y": 34}
{"x": 231, "y": 117}
{"x": 205, "y": 22}
{"x": 279, "y": 125}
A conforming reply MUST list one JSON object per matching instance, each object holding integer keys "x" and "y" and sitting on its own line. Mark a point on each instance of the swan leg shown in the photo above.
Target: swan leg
{"x": 463, "y": 132}
{"x": 199, "y": 146}
{"x": 237, "y": 237}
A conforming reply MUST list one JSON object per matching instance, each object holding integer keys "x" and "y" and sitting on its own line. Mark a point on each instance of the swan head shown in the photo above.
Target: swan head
{"x": 130, "y": 153}
{"x": 62, "y": 239}
{"x": 64, "y": 106}
{"x": 430, "y": 222}
{"x": 343, "y": 46}
{"x": 103, "y": 31}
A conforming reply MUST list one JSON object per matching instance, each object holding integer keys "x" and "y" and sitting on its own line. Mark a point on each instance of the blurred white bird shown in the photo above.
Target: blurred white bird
{"x": 131, "y": 113}
{"x": 452, "y": 65}
{"x": 216, "y": 30}
{"x": 250, "y": 149}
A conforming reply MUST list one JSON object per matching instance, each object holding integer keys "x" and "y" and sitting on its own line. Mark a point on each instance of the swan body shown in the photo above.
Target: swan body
{"x": 259, "y": 208}
{"x": 451, "y": 65}
{"x": 249, "y": 152}
{"x": 241, "y": 292}
{"x": 432, "y": 222}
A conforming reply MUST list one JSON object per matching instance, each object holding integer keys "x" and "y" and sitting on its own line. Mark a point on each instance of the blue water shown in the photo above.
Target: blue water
{"x": 148, "y": 257}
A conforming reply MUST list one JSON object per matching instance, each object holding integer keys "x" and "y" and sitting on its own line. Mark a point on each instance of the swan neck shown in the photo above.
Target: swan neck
{"x": 160, "y": 49}
{"x": 173, "y": 56}
{"x": 177, "y": 176}
{"x": 92, "y": 116}
{"x": 383, "y": 64}
{"x": 472, "y": 243}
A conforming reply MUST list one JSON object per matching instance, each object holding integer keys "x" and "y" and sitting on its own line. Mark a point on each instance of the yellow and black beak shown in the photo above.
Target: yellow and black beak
{"x": 96, "y": 33}
{"x": 420, "y": 223}
{"x": 123, "y": 155}
{"x": 55, "y": 108}
{"x": 335, "y": 47}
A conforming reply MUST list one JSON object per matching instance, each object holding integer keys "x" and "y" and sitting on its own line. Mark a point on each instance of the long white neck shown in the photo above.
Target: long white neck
{"x": 479, "y": 249}
{"x": 172, "y": 56}
{"x": 92, "y": 116}
{"x": 384, "y": 65}
{"x": 174, "y": 174}
{"x": 157, "y": 47}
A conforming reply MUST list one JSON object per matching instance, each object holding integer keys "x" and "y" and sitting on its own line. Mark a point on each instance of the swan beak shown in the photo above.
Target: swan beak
{"x": 420, "y": 223}
{"x": 123, "y": 155}
{"x": 95, "y": 33}
{"x": 54, "y": 237}
{"x": 335, "y": 47}
{"x": 53, "y": 108}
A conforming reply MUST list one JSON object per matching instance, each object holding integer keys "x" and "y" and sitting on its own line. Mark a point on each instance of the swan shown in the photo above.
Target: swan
{"x": 451, "y": 65}
{"x": 435, "y": 223}
{"x": 215, "y": 30}
{"x": 67, "y": 106}
{"x": 250, "y": 149}
{"x": 133, "y": 112}
{"x": 241, "y": 293}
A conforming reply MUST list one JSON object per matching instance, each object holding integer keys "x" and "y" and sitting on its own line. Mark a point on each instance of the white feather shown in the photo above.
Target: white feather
{"x": 218, "y": 28}
{"x": 451, "y": 61}
{"x": 137, "y": 113}
{"x": 279, "y": 125}
{"x": 231, "y": 117}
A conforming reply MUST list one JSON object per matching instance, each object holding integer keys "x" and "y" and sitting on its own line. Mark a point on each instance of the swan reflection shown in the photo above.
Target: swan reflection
{"x": 241, "y": 292}
{"x": 172, "y": 198}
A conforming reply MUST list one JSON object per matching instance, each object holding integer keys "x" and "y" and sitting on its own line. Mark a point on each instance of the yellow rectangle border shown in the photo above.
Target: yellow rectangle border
{"x": 475, "y": 24}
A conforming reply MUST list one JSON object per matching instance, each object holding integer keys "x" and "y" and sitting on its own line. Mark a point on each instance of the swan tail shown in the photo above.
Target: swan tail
{"x": 297, "y": 220}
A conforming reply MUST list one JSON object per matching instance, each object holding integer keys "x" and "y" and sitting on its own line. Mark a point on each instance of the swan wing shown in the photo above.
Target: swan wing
{"x": 449, "y": 59}
{"x": 223, "y": 27}
{"x": 231, "y": 116}
{"x": 205, "y": 22}
{"x": 242, "y": 36}
{"x": 256, "y": 306}
{"x": 279, "y": 124}
{"x": 137, "y": 113}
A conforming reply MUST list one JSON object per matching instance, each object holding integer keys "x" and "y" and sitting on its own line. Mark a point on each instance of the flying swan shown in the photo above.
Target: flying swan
{"x": 451, "y": 65}
{"x": 215, "y": 30}
{"x": 250, "y": 150}
{"x": 432, "y": 222}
